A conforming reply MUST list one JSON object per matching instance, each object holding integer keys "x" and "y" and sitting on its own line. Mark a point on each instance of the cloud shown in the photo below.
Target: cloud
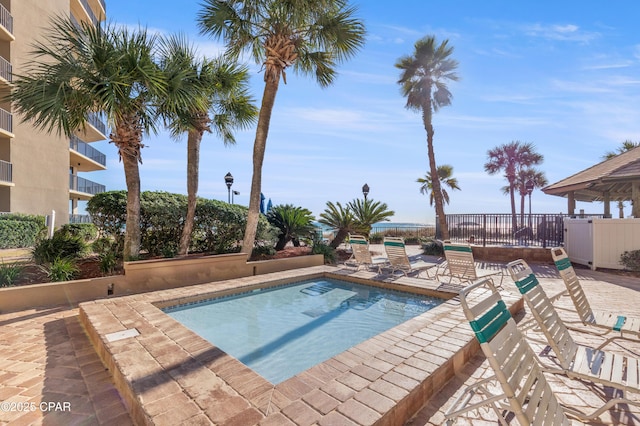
{"x": 566, "y": 32}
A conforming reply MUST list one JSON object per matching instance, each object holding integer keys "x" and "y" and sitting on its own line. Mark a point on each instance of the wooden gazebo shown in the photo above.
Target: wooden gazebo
{"x": 616, "y": 179}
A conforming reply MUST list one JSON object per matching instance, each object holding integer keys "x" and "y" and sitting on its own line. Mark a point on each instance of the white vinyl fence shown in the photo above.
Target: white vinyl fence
{"x": 599, "y": 243}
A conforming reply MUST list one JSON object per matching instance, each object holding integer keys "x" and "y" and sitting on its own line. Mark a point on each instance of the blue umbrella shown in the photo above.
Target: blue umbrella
{"x": 269, "y": 205}
{"x": 261, "y": 203}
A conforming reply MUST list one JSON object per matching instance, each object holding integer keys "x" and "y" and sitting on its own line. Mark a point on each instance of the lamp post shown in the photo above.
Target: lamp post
{"x": 234, "y": 193}
{"x": 529, "y": 187}
{"x": 228, "y": 179}
{"x": 365, "y": 191}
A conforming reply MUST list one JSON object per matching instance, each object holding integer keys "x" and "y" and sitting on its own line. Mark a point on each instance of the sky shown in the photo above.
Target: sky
{"x": 564, "y": 76}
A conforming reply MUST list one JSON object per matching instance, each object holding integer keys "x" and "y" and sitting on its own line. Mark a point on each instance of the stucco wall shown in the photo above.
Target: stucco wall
{"x": 144, "y": 276}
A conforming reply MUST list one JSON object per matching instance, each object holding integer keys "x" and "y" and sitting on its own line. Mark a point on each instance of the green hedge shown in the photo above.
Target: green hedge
{"x": 21, "y": 230}
{"x": 218, "y": 227}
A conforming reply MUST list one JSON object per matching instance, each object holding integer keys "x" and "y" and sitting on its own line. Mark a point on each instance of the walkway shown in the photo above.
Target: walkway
{"x": 45, "y": 357}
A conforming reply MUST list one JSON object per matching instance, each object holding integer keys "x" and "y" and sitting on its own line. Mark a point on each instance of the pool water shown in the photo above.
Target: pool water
{"x": 282, "y": 331}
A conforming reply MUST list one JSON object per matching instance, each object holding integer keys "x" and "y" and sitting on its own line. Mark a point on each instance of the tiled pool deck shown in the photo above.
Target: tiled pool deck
{"x": 180, "y": 379}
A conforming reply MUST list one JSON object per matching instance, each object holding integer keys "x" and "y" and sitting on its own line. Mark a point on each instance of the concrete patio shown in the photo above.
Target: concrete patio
{"x": 46, "y": 356}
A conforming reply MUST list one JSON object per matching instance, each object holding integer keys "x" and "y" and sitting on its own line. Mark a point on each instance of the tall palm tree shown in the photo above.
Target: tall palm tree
{"x": 105, "y": 69}
{"x": 312, "y": 37}
{"x": 511, "y": 158}
{"x": 627, "y": 145}
{"x": 445, "y": 173}
{"x": 423, "y": 82}
{"x": 337, "y": 217}
{"x": 223, "y": 87}
{"x": 367, "y": 212}
{"x": 531, "y": 174}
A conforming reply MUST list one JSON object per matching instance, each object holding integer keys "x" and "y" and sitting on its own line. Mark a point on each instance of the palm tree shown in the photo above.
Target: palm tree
{"x": 293, "y": 223}
{"x": 310, "y": 36}
{"x": 106, "y": 69}
{"x": 223, "y": 87}
{"x": 445, "y": 172}
{"x": 511, "y": 158}
{"x": 423, "y": 82}
{"x": 337, "y": 217}
{"x": 368, "y": 212}
{"x": 627, "y": 145}
{"x": 538, "y": 179}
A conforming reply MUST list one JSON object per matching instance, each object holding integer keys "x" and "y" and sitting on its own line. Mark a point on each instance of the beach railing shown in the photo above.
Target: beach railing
{"x": 496, "y": 229}
{"x": 411, "y": 233}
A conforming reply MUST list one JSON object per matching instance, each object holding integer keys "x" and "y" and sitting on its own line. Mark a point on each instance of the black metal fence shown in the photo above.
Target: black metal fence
{"x": 538, "y": 229}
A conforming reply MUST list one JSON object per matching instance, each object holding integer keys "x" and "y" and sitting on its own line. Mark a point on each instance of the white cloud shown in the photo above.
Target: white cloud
{"x": 566, "y": 32}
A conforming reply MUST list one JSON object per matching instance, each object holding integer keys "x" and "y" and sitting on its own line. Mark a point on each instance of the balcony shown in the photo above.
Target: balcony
{"x": 83, "y": 189}
{"x": 100, "y": 8}
{"x": 5, "y": 71}
{"x": 6, "y": 25}
{"x": 6, "y": 124}
{"x": 83, "y": 11}
{"x": 94, "y": 129}
{"x": 6, "y": 173}
{"x": 84, "y": 157}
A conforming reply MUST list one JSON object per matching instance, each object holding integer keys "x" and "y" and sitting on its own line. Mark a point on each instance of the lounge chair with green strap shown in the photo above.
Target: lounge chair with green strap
{"x": 461, "y": 265}
{"x": 576, "y": 361}
{"x": 361, "y": 255}
{"x": 604, "y": 321}
{"x": 399, "y": 261}
{"x": 519, "y": 385}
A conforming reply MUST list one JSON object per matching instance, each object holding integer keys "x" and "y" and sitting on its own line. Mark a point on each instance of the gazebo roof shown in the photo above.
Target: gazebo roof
{"x": 614, "y": 176}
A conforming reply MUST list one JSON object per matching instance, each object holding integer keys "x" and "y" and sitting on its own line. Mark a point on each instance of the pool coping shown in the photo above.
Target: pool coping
{"x": 168, "y": 374}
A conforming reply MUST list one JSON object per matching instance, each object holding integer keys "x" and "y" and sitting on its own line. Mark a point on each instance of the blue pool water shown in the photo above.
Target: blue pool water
{"x": 283, "y": 331}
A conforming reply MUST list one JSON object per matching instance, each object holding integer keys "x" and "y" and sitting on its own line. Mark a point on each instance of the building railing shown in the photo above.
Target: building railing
{"x": 104, "y": 5}
{"x": 5, "y": 69}
{"x": 87, "y": 150}
{"x": 6, "y": 20}
{"x": 85, "y": 186}
{"x": 6, "y": 120}
{"x": 538, "y": 229}
{"x": 80, "y": 218}
{"x": 6, "y": 171}
{"x": 92, "y": 15}
{"x": 95, "y": 121}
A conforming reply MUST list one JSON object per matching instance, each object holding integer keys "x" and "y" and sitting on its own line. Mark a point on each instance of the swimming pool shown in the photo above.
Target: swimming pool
{"x": 280, "y": 332}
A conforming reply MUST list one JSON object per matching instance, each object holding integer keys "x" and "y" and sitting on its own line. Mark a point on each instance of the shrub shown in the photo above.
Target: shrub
{"x": 327, "y": 251}
{"x": 86, "y": 231}
{"x": 61, "y": 245}
{"x": 108, "y": 261}
{"x": 631, "y": 260}
{"x": 292, "y": 222}
{"x": 262, "y": 251}
{"x": 9, "y": 273}
{"x": 433, "y": 248}
{"x": 61, "y": 269}
{"x": 21, "y": 230}
{"x": 376, "y": 238}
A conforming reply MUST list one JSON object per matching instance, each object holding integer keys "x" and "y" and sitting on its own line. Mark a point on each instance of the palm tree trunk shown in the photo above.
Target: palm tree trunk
{"x": 193, "y": 168}
{"x": 433, "y": 169}
{"x": 339, "y": 238}
{"x": 514, "y": 215}
{"x": 259, "y": 146}
{"x": 132, "y": 231}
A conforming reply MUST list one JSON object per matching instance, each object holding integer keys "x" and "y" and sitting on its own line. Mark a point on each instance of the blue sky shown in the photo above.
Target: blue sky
{"x": 564, "y": 76}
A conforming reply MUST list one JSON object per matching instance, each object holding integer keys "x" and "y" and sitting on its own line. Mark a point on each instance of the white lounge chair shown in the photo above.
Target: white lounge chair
{"x": 576, "y": 361}
{"x": 399, "y": 261}
{"x": 361, "y": 255}
{"x": 461, "y": 265}
{"x": 604, "y": 321}
{"x": 519, "y": 385}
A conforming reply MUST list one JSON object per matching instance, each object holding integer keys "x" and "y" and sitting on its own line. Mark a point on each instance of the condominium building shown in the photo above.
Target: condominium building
{"x": 42, "y": 172}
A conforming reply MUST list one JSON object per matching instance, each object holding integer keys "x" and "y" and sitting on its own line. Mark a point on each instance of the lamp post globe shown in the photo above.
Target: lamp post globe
{"x": 365, "y": 191}
{"x": 228, "y": 179}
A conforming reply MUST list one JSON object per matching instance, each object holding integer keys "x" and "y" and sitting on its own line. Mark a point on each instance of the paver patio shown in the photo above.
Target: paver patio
{"x": 46, "y": 356}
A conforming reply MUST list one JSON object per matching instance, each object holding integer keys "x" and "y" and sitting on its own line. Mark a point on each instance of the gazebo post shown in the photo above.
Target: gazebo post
{"x": 635, "y": 199}
{"x": 607, "y": 204}
{"x": 571, "y": 203}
